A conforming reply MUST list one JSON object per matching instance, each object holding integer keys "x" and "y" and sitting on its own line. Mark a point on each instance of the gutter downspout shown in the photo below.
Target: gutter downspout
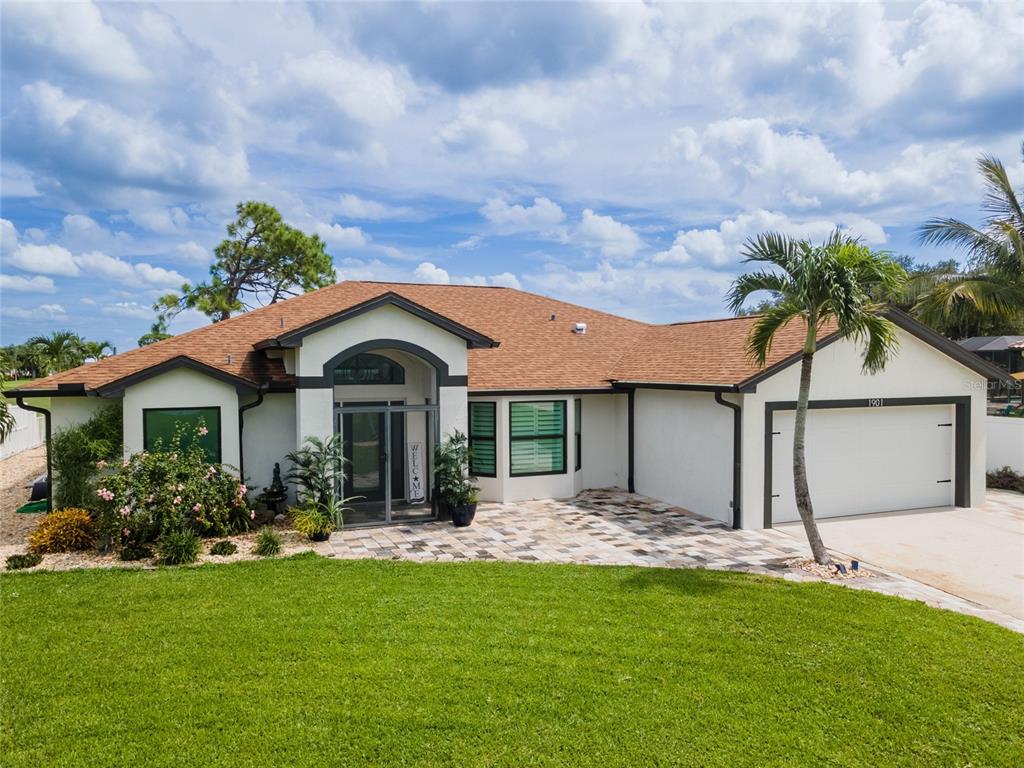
{"x": 737, "y": 456}
{"x": 260, "y": 391}
{"x": 630, "y": 407}
{"x": 49, "y": 453}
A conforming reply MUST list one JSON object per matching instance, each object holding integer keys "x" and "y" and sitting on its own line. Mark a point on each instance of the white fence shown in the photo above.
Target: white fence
{"x": 1005, "y": 443}
{"x": 29, "y": 431}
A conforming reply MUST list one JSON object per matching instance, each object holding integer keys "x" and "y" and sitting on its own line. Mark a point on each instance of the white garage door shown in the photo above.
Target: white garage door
{"x": 864, "y": 460}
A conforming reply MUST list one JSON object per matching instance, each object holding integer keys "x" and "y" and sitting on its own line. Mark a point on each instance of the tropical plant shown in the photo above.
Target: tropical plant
{"x": 268, "y": 543}
{"x": 262, "y": 261}
{"x": 97, "y": 350}
{"x": 6, "y": 417}
{"x": 223, "y": 548}
{"x": 59, "y": 351}
{"x": 451, "y": 468}
{"x": 179, "y": 547}
{"x": 839, "y": 281}
{"x": 310, "y": 521}
{"x": 80, "y": 451}
{"x": 169, "y": 489}
{"x": 26, "y": 560}
{"x": 988, "y": 296}
{"x": 63, "y": 530}
{"x": 157, "y": 332}
{"x": 317, "y": 469}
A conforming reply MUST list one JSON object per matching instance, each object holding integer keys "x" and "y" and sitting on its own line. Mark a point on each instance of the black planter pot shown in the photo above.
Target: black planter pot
{"x": 320, "y": 536}
{"x": 463, "y": 514}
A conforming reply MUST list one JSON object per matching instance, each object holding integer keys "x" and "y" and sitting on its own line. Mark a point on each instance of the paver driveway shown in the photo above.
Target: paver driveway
{"x": 976, "y": 553}
{"x": 612, "y": 527}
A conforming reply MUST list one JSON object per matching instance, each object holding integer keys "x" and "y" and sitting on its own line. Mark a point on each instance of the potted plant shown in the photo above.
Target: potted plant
{"x": 311, "y": 522}
{"x": 317, "y": 470}
{"x": 454, "y": 484}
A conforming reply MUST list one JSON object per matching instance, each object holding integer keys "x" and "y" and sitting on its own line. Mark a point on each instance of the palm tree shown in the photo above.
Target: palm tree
{"x": 60, "y": 350}
{"x": 989, "y": 294}
{"x": 97, "y": 350}
{"x": 836, "y": 281}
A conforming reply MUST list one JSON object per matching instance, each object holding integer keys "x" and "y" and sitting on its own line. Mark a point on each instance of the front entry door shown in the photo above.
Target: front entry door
{"x": 366, "y": 453}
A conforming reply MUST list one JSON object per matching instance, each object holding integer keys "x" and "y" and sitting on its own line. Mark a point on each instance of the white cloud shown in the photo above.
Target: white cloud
{"x": 721, "y": 246}
{"x": 78, "y": 34}
{"x": 489, "y": 138}
{"x": 543, "y": 216}
{"x": 614, "y": 239}
{"x": 354, "y": 207}
{"x": 8, "y": 236}
{"x": 470, "y": 243}
{"x": 99, "y": 264}
{"x": 164, "y": 220}
{"x": 130, "y": 309}
{"x": 15, "y": 181}
{"x": 338, "y": 236}
{"x": 430, "y": 273}
{"x": 358, "y": 89}
{"x": 192, "y": 253}
{"x": 44, "y": 260}
{"x": 37, "y": 284}
{"x": 42, "y": 312}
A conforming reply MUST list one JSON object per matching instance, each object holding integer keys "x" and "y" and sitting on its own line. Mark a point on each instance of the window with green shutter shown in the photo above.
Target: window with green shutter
{"x": 482, "y": 418}
{"x": 537, "y": 438}
{"x": 577, "y": 412}
{"x": 197, "y": 425}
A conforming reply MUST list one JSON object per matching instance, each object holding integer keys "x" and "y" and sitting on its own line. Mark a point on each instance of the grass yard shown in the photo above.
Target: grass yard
{"x": 313, "y": 661}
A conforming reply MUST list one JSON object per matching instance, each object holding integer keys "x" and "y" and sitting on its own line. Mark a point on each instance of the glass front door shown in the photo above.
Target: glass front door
{"x": 376, "y": 439}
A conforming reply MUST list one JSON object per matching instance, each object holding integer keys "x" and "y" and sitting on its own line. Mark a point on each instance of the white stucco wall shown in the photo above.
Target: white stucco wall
{"x": 267, "y": 436}
{"x": 182, "y": 388}
{"x": 604, "y": 441}
{"x": 683, "y": 451}
{"x": 1005, "y": 442}
{"x": 28, "y": 432}
{"x": 66, "y": 411}
{"x": 918, "y": 370}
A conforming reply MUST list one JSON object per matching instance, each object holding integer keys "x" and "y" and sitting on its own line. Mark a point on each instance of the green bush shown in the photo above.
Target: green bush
{"x": 223, "y": 548}
{"x": 28, "y": 560}
{"x": 169, "y": 490}
{"x": 179, "y": 547}
{"x": 64, "y": 530}
{"x": 136, "y": 552}
{"x": 1005, "y": 479}
{"x": 309, "y": 521}
{"x": 268, "y": 543}
{"x": 79, "y": 452}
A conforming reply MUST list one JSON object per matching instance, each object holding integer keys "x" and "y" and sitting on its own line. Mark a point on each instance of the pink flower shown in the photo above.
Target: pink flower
{"x": 203, "y": 431}
{"x": 197, "y": 507}
{"x": 149, "y": 499}
{"x": 180, "y": 487}
{"x": 177, "y": 500}
{"x": 125, "y": 511}
{"x": 104, "y": 494}
{"x": 101, "y": 464}
{"x": 124, "y": 462}
{"x": 125, "y": 532}
{"x": 252, "y": 515}
{"x": 241, "y": 490}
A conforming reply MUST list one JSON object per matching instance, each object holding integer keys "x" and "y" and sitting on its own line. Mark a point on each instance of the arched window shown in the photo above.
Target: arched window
{"x": 368, "y": 368}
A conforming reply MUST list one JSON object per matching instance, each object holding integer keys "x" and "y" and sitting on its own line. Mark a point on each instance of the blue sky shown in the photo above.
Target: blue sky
{"x": 612, "y": 155}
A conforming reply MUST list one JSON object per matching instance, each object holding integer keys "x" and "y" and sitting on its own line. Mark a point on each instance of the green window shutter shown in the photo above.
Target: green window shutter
{"x": 159, "y": 426}
{"x": 537, "y": 437}
{"x": 482, "y": 418}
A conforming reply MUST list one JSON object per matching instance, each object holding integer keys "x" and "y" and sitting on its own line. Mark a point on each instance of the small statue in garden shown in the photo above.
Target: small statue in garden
{"x": 276, "y": 486}
{"x": 272, "y": 498}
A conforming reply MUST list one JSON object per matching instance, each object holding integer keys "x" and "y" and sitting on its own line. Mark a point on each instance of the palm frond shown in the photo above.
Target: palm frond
{"x": 746, "y": 285}
{"x": 878, "y": 335}
{"x": 1000, "y": 200}
{"x": 762, "y": 334}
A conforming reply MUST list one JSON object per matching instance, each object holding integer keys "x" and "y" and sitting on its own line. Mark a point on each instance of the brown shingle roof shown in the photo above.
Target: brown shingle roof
{"x": 534, "y": 352}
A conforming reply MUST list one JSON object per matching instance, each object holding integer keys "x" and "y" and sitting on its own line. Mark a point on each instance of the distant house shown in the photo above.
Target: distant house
{"x": 1007, "y": 352}
{"x": 555, "y": 398}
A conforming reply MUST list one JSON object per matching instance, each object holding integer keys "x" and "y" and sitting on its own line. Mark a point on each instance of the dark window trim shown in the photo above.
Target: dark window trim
{"x": 220, "y": 433}
{"x": 492, "y": 439}
{"x": 961, "y": 437}
{"x": 577, "y": 417}
{"x": 326, "y": 380}
{"x": 519, "y": 438}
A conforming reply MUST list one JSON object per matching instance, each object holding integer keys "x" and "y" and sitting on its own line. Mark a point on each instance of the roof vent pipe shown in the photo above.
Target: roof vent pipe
{"x": 282, "y": 322}
{"x": 553, "y": 316}
{"x": 229, "y": 359}
{"x": 580, "y": 328}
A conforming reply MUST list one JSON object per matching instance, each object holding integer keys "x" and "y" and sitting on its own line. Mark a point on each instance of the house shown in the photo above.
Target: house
{"x": 555, "y": 398}
{"x": 1007, "y": 352}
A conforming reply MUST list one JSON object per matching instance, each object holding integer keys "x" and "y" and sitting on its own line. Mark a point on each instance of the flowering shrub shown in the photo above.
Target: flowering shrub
{"x": 169, "y": 490}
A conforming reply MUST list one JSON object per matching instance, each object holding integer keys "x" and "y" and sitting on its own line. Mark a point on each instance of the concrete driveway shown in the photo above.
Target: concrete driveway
{"x": 974, "y": 553}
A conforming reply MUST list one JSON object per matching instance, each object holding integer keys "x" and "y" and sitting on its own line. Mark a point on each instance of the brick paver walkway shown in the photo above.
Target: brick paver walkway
{"x": 611, "y": 527}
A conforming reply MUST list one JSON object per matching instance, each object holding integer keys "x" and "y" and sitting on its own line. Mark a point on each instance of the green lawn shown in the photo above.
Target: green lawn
{"x": 314, "y": 661}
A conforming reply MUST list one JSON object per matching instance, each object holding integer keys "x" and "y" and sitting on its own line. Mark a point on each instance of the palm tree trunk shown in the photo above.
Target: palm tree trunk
{"x": 801, "y": 490}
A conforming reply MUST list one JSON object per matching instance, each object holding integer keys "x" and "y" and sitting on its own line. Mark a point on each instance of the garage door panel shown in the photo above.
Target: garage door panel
{"x": 866, "y": 460}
